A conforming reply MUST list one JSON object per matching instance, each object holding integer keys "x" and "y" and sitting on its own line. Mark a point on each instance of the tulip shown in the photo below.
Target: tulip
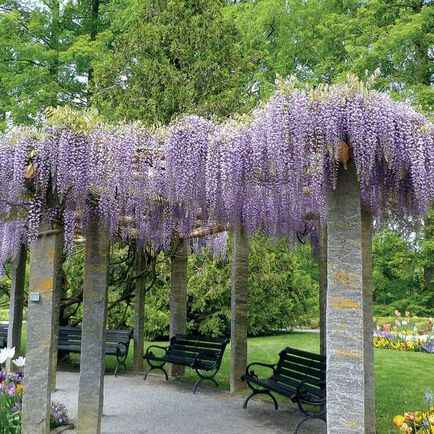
{"x": 3, "y": 355}
{"x": 19, "y": 362}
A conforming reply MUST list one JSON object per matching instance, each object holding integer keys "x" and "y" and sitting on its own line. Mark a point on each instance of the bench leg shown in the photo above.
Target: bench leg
{"x": 121, "y": 357}
{"x": 309, "y": 412}
{"x": 321, "y": 416}
{"x": 120, "y": 363}
{"x": 205, "y": 378}
{"x": 201, "y": 380}
{"x": 160, "y": 368}
{"x": 259, "y": 392}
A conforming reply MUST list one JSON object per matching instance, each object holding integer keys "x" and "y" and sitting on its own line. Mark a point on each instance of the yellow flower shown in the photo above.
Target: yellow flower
{"x": 398, "y": 420}
{"x": 19, "y": 388}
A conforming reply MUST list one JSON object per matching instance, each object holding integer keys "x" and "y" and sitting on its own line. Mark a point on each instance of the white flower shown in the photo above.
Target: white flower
{"x": 3, "y": 355}
{"x": 11, "y": 352}
{"x": 20, "y": 361}
{"x": 6, "y": 353}
{"x": 404, "y": 322}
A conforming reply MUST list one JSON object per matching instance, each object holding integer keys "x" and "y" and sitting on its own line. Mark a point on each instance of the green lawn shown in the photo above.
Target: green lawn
{"x": 401, "y": 377}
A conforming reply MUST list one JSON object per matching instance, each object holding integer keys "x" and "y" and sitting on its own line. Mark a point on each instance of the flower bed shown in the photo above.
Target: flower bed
{"x": 403, "y": 341}
{"x": 400, "y": 338}
{"x": 11, "y": 396}
{"x": 415, "y": 422}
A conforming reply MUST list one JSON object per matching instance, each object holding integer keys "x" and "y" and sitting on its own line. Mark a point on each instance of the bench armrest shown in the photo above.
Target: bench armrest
{"x": 200, "y": 356}
{"x": 299, "y": 392}
{"x": 150, "y": 353}
{"x": 265, "y": 365}
{"x": 122, "y": 348}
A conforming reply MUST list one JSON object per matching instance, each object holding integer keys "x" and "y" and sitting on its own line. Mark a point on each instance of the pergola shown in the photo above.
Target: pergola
{"x": 336, "y": 156}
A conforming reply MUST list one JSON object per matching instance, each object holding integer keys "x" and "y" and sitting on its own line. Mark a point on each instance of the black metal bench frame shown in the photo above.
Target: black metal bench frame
{"x": 3, "y": 335}
{"x": 201, "y": 353}
{"x": 117, "y": 343}
{"x": 298, "y": 375}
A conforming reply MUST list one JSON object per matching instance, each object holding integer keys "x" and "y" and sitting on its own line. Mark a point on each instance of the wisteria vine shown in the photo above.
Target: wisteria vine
{"x": 269, "y": 172}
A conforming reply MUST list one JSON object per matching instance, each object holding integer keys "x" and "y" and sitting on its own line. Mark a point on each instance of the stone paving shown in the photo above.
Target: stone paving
{"x": 133, "y": 406}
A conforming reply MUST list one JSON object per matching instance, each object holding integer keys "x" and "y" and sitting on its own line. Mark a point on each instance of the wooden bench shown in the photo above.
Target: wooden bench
{"x": 298, "y": 375}
{"x": 3, "y": 335}
{"x": 201, "y": 353}
{"x": 117, "y": 343}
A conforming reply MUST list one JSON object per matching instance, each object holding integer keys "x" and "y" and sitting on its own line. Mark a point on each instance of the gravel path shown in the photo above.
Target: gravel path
{"x": 132, "y": 406}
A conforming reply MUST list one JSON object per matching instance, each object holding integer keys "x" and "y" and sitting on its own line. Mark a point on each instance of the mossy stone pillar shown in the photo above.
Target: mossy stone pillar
{"x": 240, "y": 276}
{"x": 91, "y": 386}
{"x": 178, "y": 296}
{"x": 45, "y": 254}
{"x": 16, "y": 304}
{"x": 139, "y": 310}
{"x": 350, "y": 370}
{"x": 58, "y": 295}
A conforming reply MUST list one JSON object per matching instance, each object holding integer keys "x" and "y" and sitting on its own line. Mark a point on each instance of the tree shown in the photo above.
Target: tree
{"x": 45, "y": 54}
{"x": 167, "y": 57}
{"x": 322, "y": 41}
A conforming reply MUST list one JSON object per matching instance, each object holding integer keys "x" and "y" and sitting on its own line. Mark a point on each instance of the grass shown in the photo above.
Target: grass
{"x": 401, "y": 377}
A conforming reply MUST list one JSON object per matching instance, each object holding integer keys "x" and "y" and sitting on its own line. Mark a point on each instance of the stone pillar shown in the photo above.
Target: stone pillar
{"x": 45, "y": 253}
{"x": 240, "y": 276}
{"x": 368, "y": 291}
{"x": 139, "y": 310}
{"x": 178, "y": 297}
{"x": 322, "y": 287}
{"x": 56, "y": 317}
{"x": 350, "y": 370}
{"x": 16, "y": 304}
{"x": 91, "y": 386}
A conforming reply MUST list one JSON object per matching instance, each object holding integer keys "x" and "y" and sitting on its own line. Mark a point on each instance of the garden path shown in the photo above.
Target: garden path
{"x": 132, "y": 406}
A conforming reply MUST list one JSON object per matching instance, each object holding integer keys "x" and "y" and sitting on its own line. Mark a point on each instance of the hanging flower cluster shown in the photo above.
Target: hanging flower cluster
{"x": 269, "y": 172}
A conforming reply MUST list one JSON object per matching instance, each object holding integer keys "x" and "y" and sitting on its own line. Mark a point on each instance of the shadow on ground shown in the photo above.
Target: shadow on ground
{"x": 133, "y": 406}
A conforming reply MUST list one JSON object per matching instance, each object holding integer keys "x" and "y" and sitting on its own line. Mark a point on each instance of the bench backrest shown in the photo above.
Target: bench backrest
{"x": 295, "y": 366}
{"x": 192, "y": 345}
{"x": 72, "y": 336}
{"x": 3, "y": 335}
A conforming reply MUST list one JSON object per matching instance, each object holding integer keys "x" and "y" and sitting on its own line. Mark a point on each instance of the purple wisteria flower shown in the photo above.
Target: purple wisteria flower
{"x": 269, "y": 172}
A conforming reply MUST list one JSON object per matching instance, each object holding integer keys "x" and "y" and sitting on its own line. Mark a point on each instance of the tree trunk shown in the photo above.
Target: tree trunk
{"x": 16, "y": 304}
{"x": 178, "y": 298}
{"x": 428, "y": 269}
{"x": 139, "y": 310}
{"x": 350, "y": 367}
{"x": 94, "y": 14}
{"x": 322, "y": 287}
{"x": 91, "y": 386}
{"x": 240, "y": 276}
